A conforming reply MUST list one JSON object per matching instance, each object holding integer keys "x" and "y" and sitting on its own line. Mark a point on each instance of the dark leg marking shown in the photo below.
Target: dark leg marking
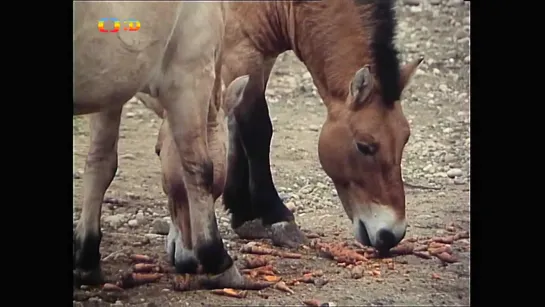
{"x": 212, "y": 254}
{"x": 87, "y": 260}
{"x": 255, "y": 131}
{"x": 236, "y": 195}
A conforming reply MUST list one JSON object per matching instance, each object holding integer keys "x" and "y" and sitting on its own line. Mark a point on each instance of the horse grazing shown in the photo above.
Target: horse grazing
{"x": 348, "y": 48}
{"x": 175, "y": 56}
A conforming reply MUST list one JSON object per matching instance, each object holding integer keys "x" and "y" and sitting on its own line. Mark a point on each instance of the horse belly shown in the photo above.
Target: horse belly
{"x": 110, "y": 67}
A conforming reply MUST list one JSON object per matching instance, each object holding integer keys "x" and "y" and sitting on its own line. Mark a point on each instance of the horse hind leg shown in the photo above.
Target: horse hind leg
{"x": 100, "y": 168}
{"x": 250, "y": 161}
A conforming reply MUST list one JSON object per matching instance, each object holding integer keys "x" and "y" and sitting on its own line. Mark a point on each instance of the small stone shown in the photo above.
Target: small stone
{"x": 140, "y": 217}
{"x": 291, "y": 206}
{"x": 454, "y": 172}
{"x": 411, "y": 2}
{"x": 153, "y": 236}
{"x": 441, "y": 194}
{"x": 467, "y": 59}
{"x": 435, "y": 2}
{"x": 427, "y": 168}
{"x": 459, "y": 181}
{"x": 464, "y": 40}
{"x": 128, "y": 157}
{"x": 160, "y": 226}
{"x": 133, "y": 223}
{"x": 449, "y": 158}
{"x": 114, "y": 220}
{"x": 436, "y": 71}
{"x": 441, "y": 175}
{"x": 443, "y": 87}
{"x": 448, "y": 130}
{"x": 455, "y": 2}
{"x": 313, "y": 128}
{"x": 130, "y": 114}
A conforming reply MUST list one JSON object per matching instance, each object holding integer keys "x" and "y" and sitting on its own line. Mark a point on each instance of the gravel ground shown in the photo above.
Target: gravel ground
{"x": 437, "y": 156}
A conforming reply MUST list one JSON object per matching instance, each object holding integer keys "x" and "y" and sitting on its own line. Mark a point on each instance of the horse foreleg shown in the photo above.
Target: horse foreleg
{"x": 100, "y": 169}
{"x": 178, "y": 244}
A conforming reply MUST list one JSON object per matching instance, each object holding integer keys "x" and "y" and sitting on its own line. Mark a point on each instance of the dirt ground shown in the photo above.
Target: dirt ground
{"x": 437, "y": 106}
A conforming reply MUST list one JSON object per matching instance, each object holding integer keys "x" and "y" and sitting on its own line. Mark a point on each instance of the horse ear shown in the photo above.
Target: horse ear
{"x": 408, "y": 70}
{"x": 361, "y": 85}
{"x": 233, "y": 94}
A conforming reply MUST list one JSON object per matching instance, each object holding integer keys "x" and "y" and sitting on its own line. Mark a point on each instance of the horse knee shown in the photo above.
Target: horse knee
{"x": 102, "y": 161}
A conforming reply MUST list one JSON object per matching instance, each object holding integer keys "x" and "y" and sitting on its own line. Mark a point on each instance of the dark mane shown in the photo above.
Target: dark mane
{"x": 382, "y": 46}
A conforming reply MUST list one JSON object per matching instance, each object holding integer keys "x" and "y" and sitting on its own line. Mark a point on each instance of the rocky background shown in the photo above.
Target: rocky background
{"x": 435, "y": 167}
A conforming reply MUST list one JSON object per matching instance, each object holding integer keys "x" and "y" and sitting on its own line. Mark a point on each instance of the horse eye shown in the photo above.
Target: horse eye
{"x": 367, "y": 149}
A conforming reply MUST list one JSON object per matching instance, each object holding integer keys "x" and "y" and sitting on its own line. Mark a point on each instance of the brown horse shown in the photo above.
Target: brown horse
{"x": 348, "y": 48}
{"x": 175, "y": 56}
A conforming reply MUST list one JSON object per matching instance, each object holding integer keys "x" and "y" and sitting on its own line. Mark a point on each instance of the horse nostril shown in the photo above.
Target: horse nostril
{"x": 385, "y": 240}
{"x": 363, "y": 236}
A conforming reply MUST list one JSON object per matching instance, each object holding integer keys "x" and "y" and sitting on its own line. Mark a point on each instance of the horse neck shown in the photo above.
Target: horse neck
{"x": 328, "y": 37}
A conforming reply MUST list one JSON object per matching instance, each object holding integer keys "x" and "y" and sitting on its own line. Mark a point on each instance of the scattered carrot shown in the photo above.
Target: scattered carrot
{"x": 254, "y": 262}
{"x": 446, "y": 240}
{"x": 283, "y": 287}
{"x": 259, "y": 250}
{"x": 111, "y": 288}
{"x": 230, "y": 292}
{"x": 411, "y": 240}
{"x": 435, "y": 276}
{"x": 435, "y": 245}
{"x": 307, "y": 279}
{"x": 376, "y": 273}
{"x": 340, "y": 253}
{"x": 446, "y": 257}
{"x": 420, "y": 248}
{"x": 450, "y": 228}
{"x": 443, "y": 249}
{"x": 141, "y": 258}
{"x": 314, "y": 303}
{"x": 423, "y": 255}
{"x": 403, "y": 249}
{"x": 359, "y": 245}
{"x": 134, "y": 279}
{"x": 271, "y": 278}
{"x": 145, "y": 267}
{"x": 264, "y": 270}
{"x": 461, "y": 235}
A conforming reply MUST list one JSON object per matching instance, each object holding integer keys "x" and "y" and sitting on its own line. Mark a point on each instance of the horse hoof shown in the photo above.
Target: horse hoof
{"x": 287, "y": 234}
{"x": 251, "y": 230}
{"x": 231, "y": 278}
{"x": 91, "y": 278}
